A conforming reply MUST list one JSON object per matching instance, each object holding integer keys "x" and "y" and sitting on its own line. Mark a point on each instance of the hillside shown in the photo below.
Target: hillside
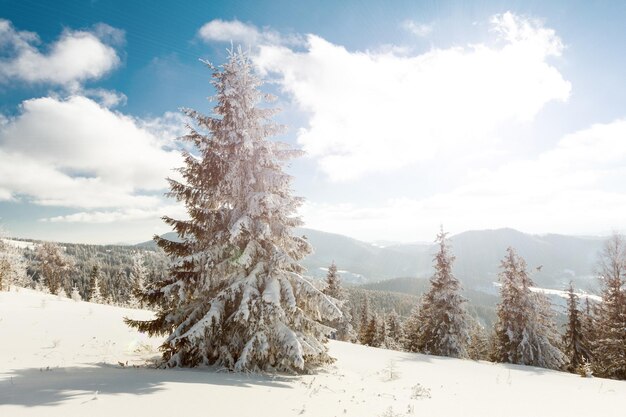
{"x": 61, "y": 358}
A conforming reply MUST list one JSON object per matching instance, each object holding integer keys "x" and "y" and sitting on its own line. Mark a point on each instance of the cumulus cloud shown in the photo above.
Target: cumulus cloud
{"x": 218, "y": 30}
{"x": 577, "y": 187}
{"x": 77, "y": 56}
{"x": 76, "y": 153}
{"x": 380, "y": 111}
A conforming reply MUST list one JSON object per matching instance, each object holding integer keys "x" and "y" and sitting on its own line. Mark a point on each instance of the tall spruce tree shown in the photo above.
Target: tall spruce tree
{"x": 610, "y": 339}
{"x": 95, "y": 290}
{"x": 138, "y": 274}
{"x": 589, "y": 325}
{"x": 575, "y": 343}
{"x": 235, "y": 294}
{"x": 479, "y": 346}
{"x": 333, "y": 283}
{"x": 443, "y": 321}
{"x": 525, "y": 332}
{"x": 370, "y": 334}
{"x": 343, "y": 327}
{"x": 411, "y": 329}
{"x": 395, "y": 336}
{"x": 364, "y": 322}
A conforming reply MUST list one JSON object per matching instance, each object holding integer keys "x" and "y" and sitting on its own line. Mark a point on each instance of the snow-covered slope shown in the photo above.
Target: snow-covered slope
{"x": 61, "y": 358}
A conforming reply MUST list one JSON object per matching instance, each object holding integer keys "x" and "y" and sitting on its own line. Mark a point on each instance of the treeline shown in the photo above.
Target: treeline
{"x": 68, "y": 267}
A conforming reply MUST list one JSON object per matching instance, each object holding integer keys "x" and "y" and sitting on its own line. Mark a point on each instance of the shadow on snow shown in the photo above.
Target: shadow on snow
{"x": 43, "y": 387}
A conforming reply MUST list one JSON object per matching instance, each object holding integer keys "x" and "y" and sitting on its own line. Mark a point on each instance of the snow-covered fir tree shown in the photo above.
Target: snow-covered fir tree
{"x": 95, "y": 290}
{"x": 575, "y": 344}
{"x": 364, "y": 321}
{"x": 138, "y": 275}
{"x": 609, "y": 347}
{"x": 75, "y": 295}
{"x": 12, "y": 267}
{"x": 525, "y": 332}
{"x": 343, "y": 327}
{"x": 54, "y": 266}
{"x": 443, "y": 321}
{"x": 370, "y": 334}
{"x": 589, "y": 325}
{"x": 411, "y": 329}
{"x": 480, "y": 343}
{"x": 333, "y": 286}
{"x": 235, "y": 295}
{"x": 395, "y": 336}
{"x": 381, "y": 332}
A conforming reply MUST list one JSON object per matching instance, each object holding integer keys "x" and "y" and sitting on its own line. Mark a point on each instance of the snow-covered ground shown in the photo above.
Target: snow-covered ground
{"x": 565, "y": 295}
{"x": 559, "y": 293}
{"x": 20, "y": 243}
{"x": 62, "y": 358}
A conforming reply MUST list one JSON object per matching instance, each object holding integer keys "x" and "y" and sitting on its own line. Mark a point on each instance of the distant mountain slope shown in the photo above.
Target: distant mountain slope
{"x": 478, "y": 254}
{"x": 361, "y": 258}
{"x": 559, "y": 258}
{"x": 151, "y": 244}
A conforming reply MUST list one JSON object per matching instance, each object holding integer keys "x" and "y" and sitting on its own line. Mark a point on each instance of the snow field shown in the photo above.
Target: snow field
{"x": 59, "y": 357}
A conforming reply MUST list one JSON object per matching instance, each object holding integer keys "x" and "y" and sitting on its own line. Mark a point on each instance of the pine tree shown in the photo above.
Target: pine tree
{"x": 525, "y": 332}
{"x": 381, "y": 333}
{"x": 95, "y": 292}
{"x": 75, "y": 295}
{"x": 364, "y": 321}
{"x": 443, "y": 320}
{"x": 138, "y": 274}
{"x": 411, "y": 330}
{"x": 610, "y": 343}
{"x": 479, "y": 347}
{"x": 333, "y": 289}
{"x": 12, "y": 267}
{"x": 54, "y": 266}
{"x": 576, "y": 347}
{"x": 395, "y": 337}
{"x": 589, "y": 326}
{"x": 333, "y": 283}
{"x": 371, "y": 333}
{"x": 235, "y": 294}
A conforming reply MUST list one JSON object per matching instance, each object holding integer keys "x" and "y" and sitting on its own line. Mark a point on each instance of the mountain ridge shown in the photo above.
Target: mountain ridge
{"x": 553, "y": 259}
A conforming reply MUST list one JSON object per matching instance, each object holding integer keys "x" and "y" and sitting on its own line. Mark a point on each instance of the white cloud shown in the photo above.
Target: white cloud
{"x": 380, "y": 111}
{"x": 578, "y": 187}
{"x": 421, "y": 30}
{"x": 122, "y": 215}
{"x": 77, "y": 56}
{"x": 226, "y": 31}
{"x": 109, "y": 34}
{"x": 218, "y": 30}
{"x": 76, "y": 153}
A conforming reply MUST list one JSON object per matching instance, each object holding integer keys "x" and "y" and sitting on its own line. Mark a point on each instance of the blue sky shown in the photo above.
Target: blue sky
{"x": 476, "y": 115}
